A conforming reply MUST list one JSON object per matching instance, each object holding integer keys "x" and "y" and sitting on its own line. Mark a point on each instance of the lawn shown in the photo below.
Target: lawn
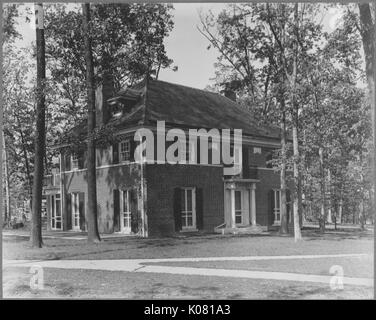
{"x": 79, "y": 283}
{"x": 112, "y": 284}
{"x": 195, "y": 246}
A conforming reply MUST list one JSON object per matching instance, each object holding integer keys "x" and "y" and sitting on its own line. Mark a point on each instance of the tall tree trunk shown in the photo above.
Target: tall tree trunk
{"x": 368, "y": 33}
{"x": 40, "y": 134}
{"x": 297, "y": 184}
{"x": 8, "y": 214}
{"x": 25, "y": 155}
{"x": 284, "y": 222}
{"x": 93, "y": 234}
{"x": 329, "y": 217}
{"x": 322, "y": 191}
{"x": 284, "y": 219}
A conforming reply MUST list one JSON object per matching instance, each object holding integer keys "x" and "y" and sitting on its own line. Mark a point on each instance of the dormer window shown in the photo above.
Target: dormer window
{"x": 74, "y": 161}
{"x": 117, "y": 109}
{"x": 125, "y": 150}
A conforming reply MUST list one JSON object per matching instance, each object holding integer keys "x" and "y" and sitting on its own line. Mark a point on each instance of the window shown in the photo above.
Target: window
{"x": 117, "y": 109}
{"x": 74, "y": 161}
{"x": 257, "y": 150}
{"x": 125, "y": 150}
{"x": 188, "y": 211}
{"x": 238, "y": 207}
{"x": 125, "y": 223}
{"x": 75, "y": 211}
{"x": 277, "y": 206}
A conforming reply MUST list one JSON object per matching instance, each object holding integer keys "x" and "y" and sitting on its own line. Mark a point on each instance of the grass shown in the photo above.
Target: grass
{"x": 358, "y": 267}
{"x": 104, "y": 284}
{"x": 110, "y": 284}
{"x": 203, "y": 246}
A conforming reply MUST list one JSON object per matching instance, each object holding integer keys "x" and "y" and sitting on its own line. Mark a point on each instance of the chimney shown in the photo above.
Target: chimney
{"x": 102, "y": 94}
{"x": 228, "y": 93}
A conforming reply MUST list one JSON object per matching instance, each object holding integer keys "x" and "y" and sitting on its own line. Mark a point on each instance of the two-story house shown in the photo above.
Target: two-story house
{"x": 150, "y": 198}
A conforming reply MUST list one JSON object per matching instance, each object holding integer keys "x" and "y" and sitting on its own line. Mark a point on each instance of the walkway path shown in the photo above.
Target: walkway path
{"x": 140, "y": 265}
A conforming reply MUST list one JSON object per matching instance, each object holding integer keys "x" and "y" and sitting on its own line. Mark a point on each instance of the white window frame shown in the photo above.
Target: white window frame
{"x": 277, "y": 210}
{"x": 257, "y": 150}
{"x": 76, "y": 211}
{"x": 239, "y": 212}
{"x": 74, "y": 161}
{"x": 126, "y": 153}
{"x": 185, "y": 213}
{"x": 55, "y": 198}
{"x": 125, "y": 212}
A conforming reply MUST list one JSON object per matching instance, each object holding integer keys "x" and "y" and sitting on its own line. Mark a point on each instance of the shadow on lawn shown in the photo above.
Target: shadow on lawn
{"x": 296, "y": 292}
{"x": 336, "y": 235}
{"x": 159, "y": 290}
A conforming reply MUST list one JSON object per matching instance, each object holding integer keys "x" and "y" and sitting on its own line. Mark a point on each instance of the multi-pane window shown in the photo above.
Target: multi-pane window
{"x": 125, "y": 211}
{"x": 74, "y": 161}
{"x": 238, "y": 207}
{"x": 188, "y": 215}
{"x": 257, "y": 150}
{"x": 75, "y": 211}
{"x": 277, "y": 205}
{"x": 125, "y": 150}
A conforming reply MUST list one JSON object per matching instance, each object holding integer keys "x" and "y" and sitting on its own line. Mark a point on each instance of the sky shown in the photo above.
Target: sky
{"x": 185, "y": 45}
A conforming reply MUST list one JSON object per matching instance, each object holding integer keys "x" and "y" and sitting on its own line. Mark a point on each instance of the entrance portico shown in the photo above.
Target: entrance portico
{"x": 240, "y": 203}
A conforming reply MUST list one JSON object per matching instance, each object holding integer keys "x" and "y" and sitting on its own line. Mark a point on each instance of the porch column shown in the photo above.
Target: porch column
{"x": 253, "y": 205}
{"x": 233, "y": 208}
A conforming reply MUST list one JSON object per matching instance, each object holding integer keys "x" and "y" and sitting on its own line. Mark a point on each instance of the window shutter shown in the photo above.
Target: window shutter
{"x": 133, "y": 147}
{"x": 81, "y": 197}
{"x": 200, "y": 208}
{"x": 116, "y": 210}
{"x": 49, "y": 213}
{"x": 115, "y": 153}
{"x": 288, "y": 205}
{"x": 245, "y": 164}
{"x": 177, "y": 209}
{"x": 68, "y": 216}
{"x": 67, "y": 162}
{"x": 134, "y": 211}
{"x": 271, "y": 207}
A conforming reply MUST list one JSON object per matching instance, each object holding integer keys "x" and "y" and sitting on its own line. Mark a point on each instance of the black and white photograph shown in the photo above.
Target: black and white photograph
{"x": 188, "y": 151}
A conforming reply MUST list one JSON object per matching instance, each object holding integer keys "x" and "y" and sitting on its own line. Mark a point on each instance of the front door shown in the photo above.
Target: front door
{"x": 75, "y": 211}
{"x": 241, "y": 207}
{"x": 188, "y": 209}
{"x": 125, "y": 211}
{"x": 238, "y": 207}
{"x": 56, "y": 217}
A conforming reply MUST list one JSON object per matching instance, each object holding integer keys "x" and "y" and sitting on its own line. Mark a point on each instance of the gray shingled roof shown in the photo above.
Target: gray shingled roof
{"x": 186, "y": 107}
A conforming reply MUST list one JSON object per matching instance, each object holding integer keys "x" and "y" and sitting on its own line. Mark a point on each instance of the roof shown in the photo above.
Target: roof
{"x": 186, "y": 107}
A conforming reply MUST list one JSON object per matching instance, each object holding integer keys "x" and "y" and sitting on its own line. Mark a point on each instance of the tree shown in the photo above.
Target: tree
{"x": 249, "y": 63}
{"x": 368, "y": 32}
{"x": 93, "y": 234}
{"x": 36, "y": 226}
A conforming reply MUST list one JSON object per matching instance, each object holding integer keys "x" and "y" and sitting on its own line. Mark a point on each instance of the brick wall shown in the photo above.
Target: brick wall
{"x": 268, "y": 180}
{"x": 161, "y": 180}
{"x": 108, "y": 179}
